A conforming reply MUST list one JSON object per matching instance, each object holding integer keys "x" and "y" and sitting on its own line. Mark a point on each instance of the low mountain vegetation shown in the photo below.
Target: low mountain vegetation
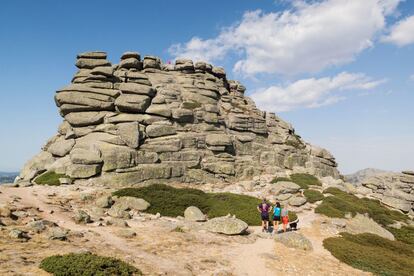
{"x": 404, "y": 234}
{"x": 367, "y": 251}
{"x": 339, "y": 203}
{"x": 86, "y": 264}
{"x": 304, "y": 180}
{"x": 277, "y": 179}
{"x": 313, "y": 196}
{"x": 49, "y": 178}
{"x": 172, "y": 202}
{"x": 372, "y": 253}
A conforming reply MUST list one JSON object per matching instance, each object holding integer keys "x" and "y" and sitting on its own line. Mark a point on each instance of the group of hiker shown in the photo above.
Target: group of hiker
{"x": 279, "y": 215}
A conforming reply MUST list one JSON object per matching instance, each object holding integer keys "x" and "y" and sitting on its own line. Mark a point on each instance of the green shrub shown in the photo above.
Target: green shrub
{"x": 277, "y": 179}
{"x": 191, "y": 105}
{"x": 372, "y": 253}
{"x": 405, "y": 234}
{"x": 313, "y": 195}
{"x": 166, "y": 200}
{"x": 172, "y": 202}
{"x": 86, "y": 264}
{"x": 305, "y": 180}
{"x": 49, "y": 178}
{"x": 341, "y": 203}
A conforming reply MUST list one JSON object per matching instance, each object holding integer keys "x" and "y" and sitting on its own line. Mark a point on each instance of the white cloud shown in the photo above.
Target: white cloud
{"x": 308, "y": 38}
{"x": 412, "y": 77}
{"x": 311, "y": 93}
{"x": 402, "y": 33}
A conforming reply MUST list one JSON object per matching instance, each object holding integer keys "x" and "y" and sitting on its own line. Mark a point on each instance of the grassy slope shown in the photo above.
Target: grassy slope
{"x": 372, "y": 253}
{"x": 169, "y": 201}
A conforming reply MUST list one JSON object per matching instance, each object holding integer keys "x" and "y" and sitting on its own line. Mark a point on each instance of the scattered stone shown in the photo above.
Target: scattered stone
{"x": 297, "y": 201}
{"x": 117, "y": 222}
{"x": 294, "y": 240}
{"x": 18, "y": 234}
{"x": 5, "y": 211}
{"x": 39, "y": 226}
{"x": 364, "y": 224}
{"x": 192, "y": 213}
{"x": 85, "y": 196}
{"x": 57, "y": 233}
{"x": 82, "y": 217}
{"x": 65, "y": 181}
{"x": 226, "y": 225}
{"x": 117, "y": 211}
{"x": 126, "y": 233}
{"x": 127, "y": 203}
{"x": 104, "y": 202}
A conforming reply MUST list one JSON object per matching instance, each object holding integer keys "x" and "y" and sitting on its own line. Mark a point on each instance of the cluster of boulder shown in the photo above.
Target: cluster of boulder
{"x": 392, "y": 189}
{"x": 142, "y": 120}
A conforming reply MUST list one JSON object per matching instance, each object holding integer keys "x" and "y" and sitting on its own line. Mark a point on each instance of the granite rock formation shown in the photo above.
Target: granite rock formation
{"x": 395, "y": 190}
{"x": 142, "y": 120}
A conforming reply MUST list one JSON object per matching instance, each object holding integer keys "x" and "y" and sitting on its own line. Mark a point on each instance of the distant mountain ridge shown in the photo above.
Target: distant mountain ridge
{"x": 7, "y": 177}
{"x": 360, "y": 175}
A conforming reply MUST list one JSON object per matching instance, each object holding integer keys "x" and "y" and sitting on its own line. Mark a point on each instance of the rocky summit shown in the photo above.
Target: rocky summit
{"x": 143, "y": 120}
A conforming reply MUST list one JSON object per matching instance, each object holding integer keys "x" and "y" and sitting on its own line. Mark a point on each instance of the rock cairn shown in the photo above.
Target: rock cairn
{"x": 142, "y": 120}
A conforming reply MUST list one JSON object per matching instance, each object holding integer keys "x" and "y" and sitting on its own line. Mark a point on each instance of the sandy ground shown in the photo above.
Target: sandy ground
{"x": 157, "y": 249}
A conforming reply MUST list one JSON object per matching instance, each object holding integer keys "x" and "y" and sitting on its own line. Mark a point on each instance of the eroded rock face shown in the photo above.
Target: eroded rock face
{"x": 141, "y": 120}
{"x": 395, "y": 190}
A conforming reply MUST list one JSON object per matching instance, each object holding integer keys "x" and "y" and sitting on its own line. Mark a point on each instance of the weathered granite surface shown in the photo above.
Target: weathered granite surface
{"x": 142, "y": 121}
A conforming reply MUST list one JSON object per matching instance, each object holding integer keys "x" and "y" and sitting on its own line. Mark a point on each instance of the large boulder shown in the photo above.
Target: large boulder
{"x": 61, "y": 146}
{"x": 364, "y": 224}
{"x": 131, "y": 203}
{"x": 284, "y": 187}
{"x": 37, "y": 165}
{"x": 226, "y": 225}
{"x": 294, "y": 240}
{"x": 192, "y": 213}
{"x": 297, "y": 201}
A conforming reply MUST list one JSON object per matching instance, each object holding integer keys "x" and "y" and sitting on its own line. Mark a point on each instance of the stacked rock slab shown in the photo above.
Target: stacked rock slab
{"x": 142, "y": 121}
{"x": 392, "y": 189}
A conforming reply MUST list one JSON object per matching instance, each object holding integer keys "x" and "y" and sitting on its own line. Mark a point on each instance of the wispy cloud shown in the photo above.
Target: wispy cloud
{"x": 402, "y": 33}
{"x": 312, "y": 93}
{"x": 311, "y": 36}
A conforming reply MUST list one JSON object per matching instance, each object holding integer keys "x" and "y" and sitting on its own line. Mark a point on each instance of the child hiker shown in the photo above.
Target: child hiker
{"x": 264, "y": 208}
{"x": 285, "y": 218}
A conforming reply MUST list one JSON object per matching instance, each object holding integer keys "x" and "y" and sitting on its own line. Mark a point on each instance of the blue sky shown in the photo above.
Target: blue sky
{"x": 342, "y": 72}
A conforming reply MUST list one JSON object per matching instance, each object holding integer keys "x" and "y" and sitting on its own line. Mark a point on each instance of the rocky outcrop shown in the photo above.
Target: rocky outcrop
{"x": 142, "y": 120}
{"x": 395, "y": 190}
